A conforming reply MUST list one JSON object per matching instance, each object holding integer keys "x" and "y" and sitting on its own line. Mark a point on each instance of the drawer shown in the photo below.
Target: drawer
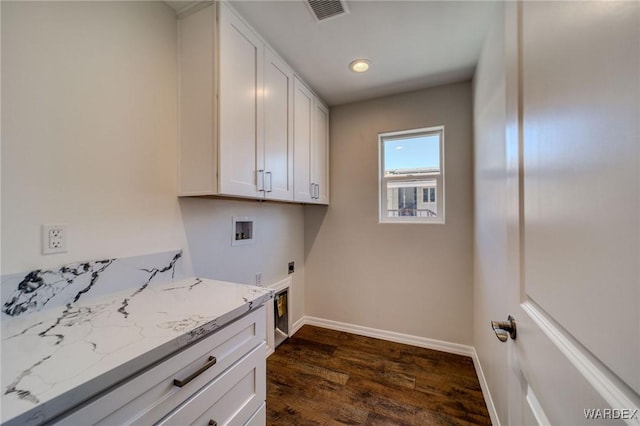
{"x": 259, "y": 418}
{"x": 231, "y": 399}
{"x": 149, "y": 396}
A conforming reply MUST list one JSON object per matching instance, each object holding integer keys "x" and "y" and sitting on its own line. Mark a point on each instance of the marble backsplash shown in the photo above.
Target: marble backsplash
{"x": 29, "y": 292}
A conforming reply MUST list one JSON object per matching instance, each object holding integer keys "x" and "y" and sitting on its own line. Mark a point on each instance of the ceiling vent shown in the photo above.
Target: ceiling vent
{"x": 327, "y": 9}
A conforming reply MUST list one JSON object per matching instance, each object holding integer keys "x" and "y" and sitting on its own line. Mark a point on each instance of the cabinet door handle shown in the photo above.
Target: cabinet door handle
{"x": 317, "y": 191}
{"x": 269, "y": 174}
{"x": 260, "y": 180}
{"x": 210, "y": 363}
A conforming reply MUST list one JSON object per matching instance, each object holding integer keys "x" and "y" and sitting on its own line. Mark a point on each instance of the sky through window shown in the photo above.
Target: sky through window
{"x": 412, "y": 153}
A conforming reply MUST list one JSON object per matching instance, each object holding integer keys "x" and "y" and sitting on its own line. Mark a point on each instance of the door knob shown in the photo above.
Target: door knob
{"x": 505, "y": 329}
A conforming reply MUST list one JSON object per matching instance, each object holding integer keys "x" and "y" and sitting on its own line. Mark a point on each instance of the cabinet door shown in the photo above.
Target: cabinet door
{"x": 302, "y": 135}
{"x": 240, "y": 80}
{"x": 147, "y": 397}
{"x": 278, "y": 128}
{"x": 259, "y": 418}
{"x": 231, "y": 399}
{"x": 197, "y": 150}
{"x": 320, "y": 153}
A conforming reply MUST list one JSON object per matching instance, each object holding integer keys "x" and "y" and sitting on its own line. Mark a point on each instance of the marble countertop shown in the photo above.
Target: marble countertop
{"x": 56, "y": 358}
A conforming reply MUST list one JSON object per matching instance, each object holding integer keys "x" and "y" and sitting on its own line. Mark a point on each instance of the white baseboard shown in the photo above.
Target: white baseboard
{"x": 392, "y": 336}
{"x": 495, "y": 420}
{"x": 422, "y": 342}
{"x": 297, "y": 326}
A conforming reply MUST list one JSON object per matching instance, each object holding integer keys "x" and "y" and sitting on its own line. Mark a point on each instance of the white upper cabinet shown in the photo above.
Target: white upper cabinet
{"x": 197, "y": 114}
{"x": 236, "y": 110}
{"x": 240, "y": 103}
{"x": 302, "y": 134}
{"x": 278, "y": 128}
{"x": 320, "y": 152}
{"x": 311, "y": 146}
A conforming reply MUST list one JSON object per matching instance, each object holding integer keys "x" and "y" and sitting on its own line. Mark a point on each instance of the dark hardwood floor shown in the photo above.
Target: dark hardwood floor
{"x": 326, "y": 377}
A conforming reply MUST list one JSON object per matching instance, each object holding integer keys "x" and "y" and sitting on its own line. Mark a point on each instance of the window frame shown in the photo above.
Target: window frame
{"x": 430, "y": 195}
{"x": 439, "y": 177}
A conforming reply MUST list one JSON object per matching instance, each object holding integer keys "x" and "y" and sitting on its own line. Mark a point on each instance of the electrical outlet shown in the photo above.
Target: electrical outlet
{"x": 54, "y": 239}
{"x": 259, "y": 279}
{"x": 291, "y": 268}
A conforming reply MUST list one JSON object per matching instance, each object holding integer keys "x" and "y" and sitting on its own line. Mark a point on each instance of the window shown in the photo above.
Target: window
{"x": 429, "y": 195}
{"x": 412, "y": 176}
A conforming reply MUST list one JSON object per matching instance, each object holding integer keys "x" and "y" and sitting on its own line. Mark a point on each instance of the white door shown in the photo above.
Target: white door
{"x": 573, "y": 150}
{"x": 240, "y": 107}
{"x": 302, "y": 136}
{"x": 278, "y": 128}
{"x": 320, "y": 154}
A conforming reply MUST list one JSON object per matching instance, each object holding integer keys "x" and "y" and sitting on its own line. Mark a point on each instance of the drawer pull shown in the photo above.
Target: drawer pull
{"x": 210, "y": 363}
{"x": 213, "y": 423}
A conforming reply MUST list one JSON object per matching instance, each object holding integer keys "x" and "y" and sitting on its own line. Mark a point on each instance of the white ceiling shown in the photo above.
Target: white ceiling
{"x": 411, "y": 44}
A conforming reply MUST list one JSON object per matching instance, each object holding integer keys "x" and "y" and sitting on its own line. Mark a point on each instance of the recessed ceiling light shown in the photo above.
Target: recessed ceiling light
{"x": 359, "y": 65}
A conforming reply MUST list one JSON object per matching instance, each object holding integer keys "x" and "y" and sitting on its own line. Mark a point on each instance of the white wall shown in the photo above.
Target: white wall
{"x": 89, "y": 138}
{"x": 490, "y": 284}
{"x": 407, "y": 278}
{"x": 278, "y": 234}
{"x": 89, "y": 118}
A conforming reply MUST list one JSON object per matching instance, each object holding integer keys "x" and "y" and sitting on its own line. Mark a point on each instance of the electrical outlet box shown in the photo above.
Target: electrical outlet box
{"x": 291, "y": 268}
{"x": 54, "y": 238}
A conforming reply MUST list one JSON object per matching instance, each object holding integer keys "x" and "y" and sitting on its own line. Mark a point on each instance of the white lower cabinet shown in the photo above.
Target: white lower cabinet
{"x": 259, "y": 418}
{"x": 231, "y": 399}
{"x": 219, "y": 380}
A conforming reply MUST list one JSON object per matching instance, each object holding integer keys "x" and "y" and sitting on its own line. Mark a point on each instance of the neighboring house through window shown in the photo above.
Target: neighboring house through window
{"x": 412, "y": 176}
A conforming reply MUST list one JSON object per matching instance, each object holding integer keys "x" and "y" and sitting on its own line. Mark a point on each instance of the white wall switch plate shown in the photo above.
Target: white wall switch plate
{"x": 54, "y": 238}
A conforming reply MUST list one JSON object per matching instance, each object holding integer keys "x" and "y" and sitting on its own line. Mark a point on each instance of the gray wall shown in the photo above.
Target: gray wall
{"x": 89, "y": 122}
{"x": 89, "y": 138}
{"x": 407, "y": 278}
{"x": 490, "y": 204}
{"x": 278, "y": 234}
